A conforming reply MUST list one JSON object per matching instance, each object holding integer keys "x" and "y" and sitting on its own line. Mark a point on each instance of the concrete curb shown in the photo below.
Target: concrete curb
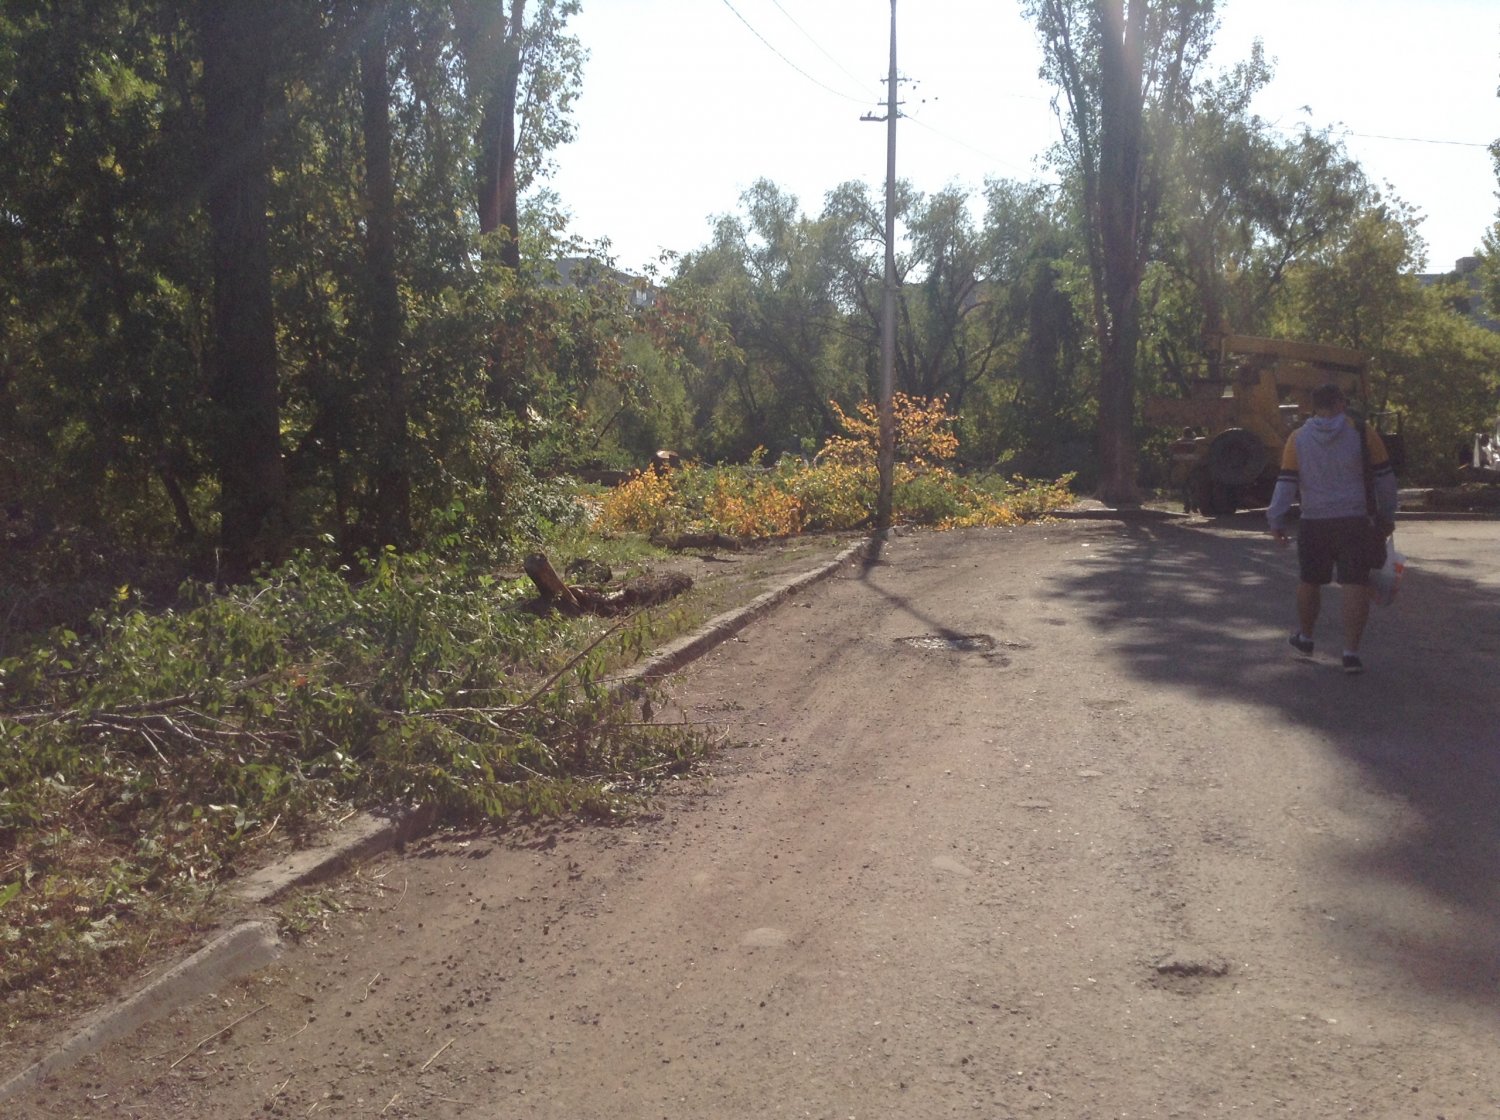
{"x": 679, "y": 653}
{"x": 1109, "y": 513}
{"x": 360, "y": 837}
{"x": 243, "y": 949}
{"x": 252, "y": 945}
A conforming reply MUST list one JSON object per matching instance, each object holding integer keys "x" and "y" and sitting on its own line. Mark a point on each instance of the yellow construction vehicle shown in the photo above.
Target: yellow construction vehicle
{"x": 1234, "y": 426}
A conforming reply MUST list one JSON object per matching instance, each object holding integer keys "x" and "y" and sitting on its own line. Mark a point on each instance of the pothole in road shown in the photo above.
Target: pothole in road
{"x": 955, "y": 643}
{"x": 1188, "y": 972}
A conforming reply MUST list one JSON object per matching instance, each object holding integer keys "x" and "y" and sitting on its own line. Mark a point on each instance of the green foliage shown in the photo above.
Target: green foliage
{"x": 1434, "y": 368}
{"x": 105, "y": 324}
{"x": 100, "y": 298}
{"x": 769, "y": 279}
{"x": 1035, "y": 416}
{"x": 1489, "y": 260}
{"x": 1242, "y": 203}
{"x": 836, "y": 490}
{"x": 142, "y": 759}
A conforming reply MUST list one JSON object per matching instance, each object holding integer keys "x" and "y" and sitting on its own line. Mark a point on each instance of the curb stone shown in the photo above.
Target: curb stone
{"x": 242, "y": 949}
{"x": 253, "y": 944}
{"x": 723, "y": 627}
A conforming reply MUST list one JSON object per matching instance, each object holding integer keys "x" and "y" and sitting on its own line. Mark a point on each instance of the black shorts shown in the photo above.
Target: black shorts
{"x": 1344, "y": 543}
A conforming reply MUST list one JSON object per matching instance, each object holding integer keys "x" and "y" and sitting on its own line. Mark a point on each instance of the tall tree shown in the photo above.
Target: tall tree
{"x": 1432, "y": 364}
{"x": 392, "y": 481}
{"x": 1121, "y": 65}
{"x": 769, "y": 272}
{"x": 99, "y": 299}
{"x": 274, "y": 203}
{"x": 238, "y": 42}
{"x": 1490, "y": 253}
{"x": 944, "y": 344}
{"x": 1039, "y": 414}
{"x": 522, "y": 75}
{"x": 1241, "y": 203}
{"x": 490, "y": 36}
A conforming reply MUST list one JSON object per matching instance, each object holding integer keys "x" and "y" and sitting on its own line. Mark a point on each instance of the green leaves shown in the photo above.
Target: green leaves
{"x": 165, "y": 747}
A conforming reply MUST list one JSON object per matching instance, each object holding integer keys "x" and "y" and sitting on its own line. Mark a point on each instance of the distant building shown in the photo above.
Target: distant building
{"x": 1466, "y": 273}
{"x": 586, "y": 272}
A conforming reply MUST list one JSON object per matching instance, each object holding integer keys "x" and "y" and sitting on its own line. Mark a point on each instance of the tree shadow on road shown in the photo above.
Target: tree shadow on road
{"x": 1208, "y": 608}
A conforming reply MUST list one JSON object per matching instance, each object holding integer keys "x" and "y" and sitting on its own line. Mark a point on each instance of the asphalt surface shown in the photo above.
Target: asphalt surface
{"x": 1036, "y": 822}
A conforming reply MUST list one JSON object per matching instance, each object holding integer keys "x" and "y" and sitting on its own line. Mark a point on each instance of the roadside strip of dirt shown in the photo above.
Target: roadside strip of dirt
{"x": 251, "y": 941}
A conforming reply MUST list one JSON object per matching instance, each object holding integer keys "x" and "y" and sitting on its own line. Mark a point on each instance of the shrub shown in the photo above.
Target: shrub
{"x": 837, "y": 490}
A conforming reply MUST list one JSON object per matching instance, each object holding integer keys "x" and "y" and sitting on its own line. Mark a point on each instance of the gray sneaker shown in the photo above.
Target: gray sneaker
{"x": 1352, "y": 663}
{"x": 1302, "y": 645}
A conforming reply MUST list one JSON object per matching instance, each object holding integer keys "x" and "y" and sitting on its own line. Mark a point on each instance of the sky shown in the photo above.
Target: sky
{"x": 686, "y": 103}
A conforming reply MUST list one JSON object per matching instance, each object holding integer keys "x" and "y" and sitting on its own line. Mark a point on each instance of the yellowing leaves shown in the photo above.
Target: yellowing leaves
{"x": 837, "y": 490}
{"x": 923, "y": 431}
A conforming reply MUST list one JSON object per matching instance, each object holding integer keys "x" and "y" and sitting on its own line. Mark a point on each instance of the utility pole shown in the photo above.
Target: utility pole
{"x": 886, "y": 458}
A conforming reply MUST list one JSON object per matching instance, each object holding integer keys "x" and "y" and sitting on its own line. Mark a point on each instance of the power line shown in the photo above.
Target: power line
{"x": 962, "y": 143}
{"x": 813, "y": 41}
{"x": 1416, "y": 140}
{"x": 789, "y": 62}
{"x": 1346, "y": 132}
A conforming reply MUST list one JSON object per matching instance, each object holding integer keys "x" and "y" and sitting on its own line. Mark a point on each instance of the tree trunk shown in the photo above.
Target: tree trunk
{"x": 186, "y": 529}
{"x": 392, "y": 482}
{"x": 491, "y": 43}
{"x": 548, "y": 582}
{"x": 236, "y": 44}
{"x": 1121, "y": 121}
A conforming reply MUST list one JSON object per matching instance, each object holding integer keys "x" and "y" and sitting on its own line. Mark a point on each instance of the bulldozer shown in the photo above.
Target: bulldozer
{"x": 1233, "y": 427}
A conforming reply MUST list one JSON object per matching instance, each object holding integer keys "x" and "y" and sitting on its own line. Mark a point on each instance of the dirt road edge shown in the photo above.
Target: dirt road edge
{"x": 253, "y": 944}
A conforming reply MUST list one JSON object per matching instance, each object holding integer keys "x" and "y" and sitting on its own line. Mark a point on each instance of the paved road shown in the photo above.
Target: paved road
{"x": 1043, "y": 822}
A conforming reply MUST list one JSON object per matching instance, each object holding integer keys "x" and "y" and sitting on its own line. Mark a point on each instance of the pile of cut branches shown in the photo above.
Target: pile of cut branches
{"x": 143, "y": 759}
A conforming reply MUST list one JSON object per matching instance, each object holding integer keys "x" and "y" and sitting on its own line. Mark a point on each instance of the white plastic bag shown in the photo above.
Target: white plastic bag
{"x": 1386, "y": 580}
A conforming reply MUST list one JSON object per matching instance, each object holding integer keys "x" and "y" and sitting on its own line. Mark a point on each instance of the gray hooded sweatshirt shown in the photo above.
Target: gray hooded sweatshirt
{"x": 1322, "y": 463}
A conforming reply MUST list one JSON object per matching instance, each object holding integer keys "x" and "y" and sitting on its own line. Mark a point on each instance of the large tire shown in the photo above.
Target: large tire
{"x": 1226, "y": 499}
{"x": 1210, "y": 498}
{"x": 1236, "y": 457}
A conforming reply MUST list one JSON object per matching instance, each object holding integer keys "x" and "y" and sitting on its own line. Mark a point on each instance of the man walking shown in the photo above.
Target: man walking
{"x": 1323, "y": 461}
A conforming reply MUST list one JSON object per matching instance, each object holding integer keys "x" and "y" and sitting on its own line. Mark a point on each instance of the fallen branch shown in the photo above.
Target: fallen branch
{"x": 149, "y": 707}
{"x": 643, "y": 591}
{"x": 538, "y": 692}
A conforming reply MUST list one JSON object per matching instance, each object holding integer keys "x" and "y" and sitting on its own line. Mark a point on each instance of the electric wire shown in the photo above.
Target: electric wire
{"x": 814, "y": 42}
{"x": 789, "y": 62}
{"x": 1344, "y": 132}
{"x": 962, "y": 143}
{"x": 1417, "y": 140}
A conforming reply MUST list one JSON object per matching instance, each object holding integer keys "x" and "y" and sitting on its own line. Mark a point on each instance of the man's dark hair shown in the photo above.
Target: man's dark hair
{"x": 1328, "y": 396}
